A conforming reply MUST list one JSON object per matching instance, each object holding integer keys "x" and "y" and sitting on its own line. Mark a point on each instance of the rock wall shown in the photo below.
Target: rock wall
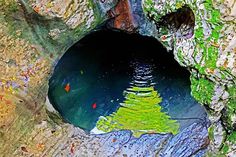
{"x": 34, "y": 35}
{"x": 209, "y": 54}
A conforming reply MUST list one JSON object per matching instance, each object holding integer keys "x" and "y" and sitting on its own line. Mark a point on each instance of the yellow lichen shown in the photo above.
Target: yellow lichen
{"x": 7, "y": 111}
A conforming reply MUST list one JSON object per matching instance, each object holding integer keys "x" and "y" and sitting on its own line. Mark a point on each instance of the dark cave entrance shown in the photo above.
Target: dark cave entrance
{"x": 89, "y": 80}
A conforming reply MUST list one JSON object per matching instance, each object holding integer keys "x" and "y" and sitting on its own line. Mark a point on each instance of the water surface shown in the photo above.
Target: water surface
{"x": 100, "y": 67}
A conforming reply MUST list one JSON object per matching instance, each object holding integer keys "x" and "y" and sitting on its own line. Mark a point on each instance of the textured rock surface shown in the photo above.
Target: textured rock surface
{"x": 34, "y": 35}
{"x": 209, "y": 53}
{"x": 122, "y": 143}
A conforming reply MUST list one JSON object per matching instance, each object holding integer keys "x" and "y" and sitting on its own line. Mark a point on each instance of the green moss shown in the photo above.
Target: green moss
{"x": 180, "y": 57}
{"x": 211, "y": 132}
{"x": 230, "y": 107}
{"x": 214, "y": 154}
{"x": 151, "y": 11}
{"x": 139, "y": 113}
{"x": 210, "y": 53}
{"x": 231, "y": 139}
{"x": 8, "y": 6}
{"x": 199, "y": 33}
{"x": 202, "y": 90}
{"x": 225, "y": 149}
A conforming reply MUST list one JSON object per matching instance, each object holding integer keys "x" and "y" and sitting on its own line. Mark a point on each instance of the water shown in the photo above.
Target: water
{"x": 100, "y": 68}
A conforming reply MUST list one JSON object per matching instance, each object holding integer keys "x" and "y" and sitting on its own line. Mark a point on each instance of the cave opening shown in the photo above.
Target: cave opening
{"x": 90, "y": 79}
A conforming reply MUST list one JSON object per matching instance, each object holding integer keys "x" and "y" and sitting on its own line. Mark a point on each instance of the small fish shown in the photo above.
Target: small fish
{"x": 94, "y": 106}
{"x": 67, "y": 87}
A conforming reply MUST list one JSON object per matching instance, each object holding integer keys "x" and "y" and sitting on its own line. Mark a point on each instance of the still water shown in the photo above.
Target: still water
{"x": 89, "y": 80}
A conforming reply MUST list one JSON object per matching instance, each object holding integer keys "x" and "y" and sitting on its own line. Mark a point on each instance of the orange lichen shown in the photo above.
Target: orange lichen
{"x": 225, "y": 63}
{"x": 40, "y": 146}
{"x": 1, "y": 97}
{"x": 36, "y": 9}
{"x": 215, "y": 44}
{"x": 125, "y": 20}
{"x": 7, "y": 110}
{"x": 31, "y": 66}
{"x": 209, "y": 70}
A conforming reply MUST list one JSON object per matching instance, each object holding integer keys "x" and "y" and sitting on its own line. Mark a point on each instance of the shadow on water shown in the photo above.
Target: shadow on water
{"x": 90, "y": 78}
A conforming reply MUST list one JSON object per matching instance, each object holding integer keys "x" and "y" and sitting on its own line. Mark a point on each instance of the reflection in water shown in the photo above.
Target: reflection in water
{"x": 89, "y": 80}
{"x": 141, "y": 111}
{"x": 142, "y": 76}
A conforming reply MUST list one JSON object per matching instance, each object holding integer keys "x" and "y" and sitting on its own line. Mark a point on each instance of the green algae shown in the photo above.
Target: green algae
{"x": 232, "y": 137}
{"x": 202, "y": 90}
{"x": 230, "y": 108}
{"x": 139, "y": 113}
{"x": 225, "y": 149}
{"x": 180, "y": 57}
{"x": 202, "y": 42}
{"x": 211, "y": 132}
{"x": 210, "y": 52}
{"x": 230, "y": 140}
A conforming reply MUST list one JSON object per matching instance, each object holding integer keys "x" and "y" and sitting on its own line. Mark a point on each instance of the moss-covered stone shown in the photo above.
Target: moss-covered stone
{"x": 229, "y": 144}
{"x": 211, "y": 132}
{"x": 202, "y": 90}
{"x": 230, "y": 110}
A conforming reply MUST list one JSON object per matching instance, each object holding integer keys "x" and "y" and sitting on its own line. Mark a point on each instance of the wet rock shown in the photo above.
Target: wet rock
{"x": 188, "y": 142}
{"x": 218, "y": 136}
{"x": 146, "y": 145}
{"x": 123, "y": 17}
{"x": 122, "y": 143}
{"x": 95, "y": 145}
{"x": 201, "y": 153}
{"x": 214, "y": 116}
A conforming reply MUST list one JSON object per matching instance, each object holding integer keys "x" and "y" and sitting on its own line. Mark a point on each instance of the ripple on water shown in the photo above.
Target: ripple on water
{"x": 97, "y": 78}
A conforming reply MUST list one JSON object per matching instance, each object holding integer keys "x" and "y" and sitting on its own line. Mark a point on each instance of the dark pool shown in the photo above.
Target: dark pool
{"x": 90, "y": 78}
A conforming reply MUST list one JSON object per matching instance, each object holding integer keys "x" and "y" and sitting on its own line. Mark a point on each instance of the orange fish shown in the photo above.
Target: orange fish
{"x": 67, "y": 87}
{"x": 94, "y": 106}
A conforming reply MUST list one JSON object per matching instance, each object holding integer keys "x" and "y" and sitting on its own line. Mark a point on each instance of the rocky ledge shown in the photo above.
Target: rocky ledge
{"x": 191, "y": 141}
